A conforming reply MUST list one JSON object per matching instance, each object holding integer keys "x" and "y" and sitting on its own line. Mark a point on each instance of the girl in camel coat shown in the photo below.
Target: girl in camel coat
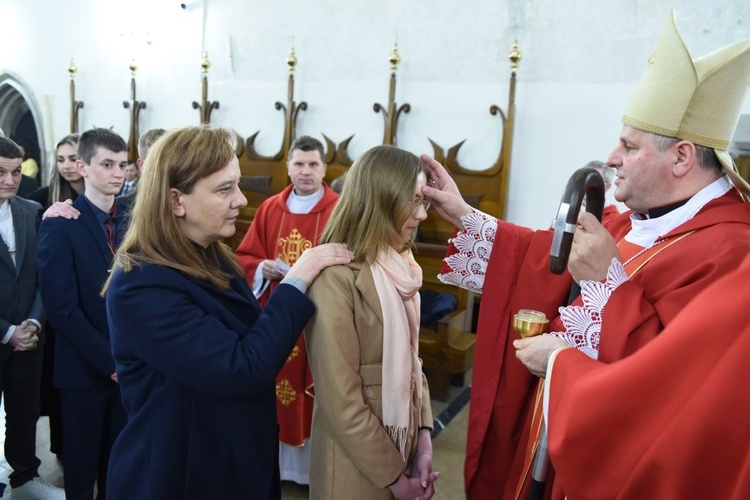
{"x": 372, "y": 419}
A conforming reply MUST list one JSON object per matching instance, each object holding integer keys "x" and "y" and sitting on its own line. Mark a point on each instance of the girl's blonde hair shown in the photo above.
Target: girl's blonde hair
{"x": 377, "y": 199}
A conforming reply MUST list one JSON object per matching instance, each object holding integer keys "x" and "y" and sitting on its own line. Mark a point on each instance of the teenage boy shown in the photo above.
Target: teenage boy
{"x": 74, "y": 258}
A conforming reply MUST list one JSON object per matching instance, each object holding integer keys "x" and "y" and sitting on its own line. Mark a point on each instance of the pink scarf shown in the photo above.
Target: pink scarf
{"x": 398, "y": 278}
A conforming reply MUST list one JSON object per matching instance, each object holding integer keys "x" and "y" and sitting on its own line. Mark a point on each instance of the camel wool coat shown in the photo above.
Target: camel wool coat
{"x": 351, "y": 454}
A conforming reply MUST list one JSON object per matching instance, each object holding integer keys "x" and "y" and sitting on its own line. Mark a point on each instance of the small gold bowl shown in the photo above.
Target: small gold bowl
{"x": 529, "y": 323}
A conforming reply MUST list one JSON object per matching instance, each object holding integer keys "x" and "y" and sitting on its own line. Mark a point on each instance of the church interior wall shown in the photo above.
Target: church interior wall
{"x": 581, "y": 60}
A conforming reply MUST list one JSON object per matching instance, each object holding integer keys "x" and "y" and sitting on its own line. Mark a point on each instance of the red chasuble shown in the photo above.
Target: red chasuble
{"x": 276, "y": 233}
{"x": 668, "y": 422}
{"x": 503, "y": 392}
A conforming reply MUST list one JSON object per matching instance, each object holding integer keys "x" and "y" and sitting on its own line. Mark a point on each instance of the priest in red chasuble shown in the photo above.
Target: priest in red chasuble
{"x": 284, "y": 226}
{"x": 687, "y": 227}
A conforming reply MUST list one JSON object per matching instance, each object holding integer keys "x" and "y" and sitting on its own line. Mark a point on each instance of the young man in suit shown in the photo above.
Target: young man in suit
{"x": 131, "y": 179}
{"x": 20, "y": 330}
{"x": 74, "y": 258}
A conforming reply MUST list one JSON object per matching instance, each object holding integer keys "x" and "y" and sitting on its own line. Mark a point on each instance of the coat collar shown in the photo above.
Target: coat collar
{"x": 365, "y": 283}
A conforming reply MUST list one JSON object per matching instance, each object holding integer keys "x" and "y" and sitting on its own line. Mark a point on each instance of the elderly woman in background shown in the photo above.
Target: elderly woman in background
{"x": 372, "y": 418}
{"x": 196, "y": 357}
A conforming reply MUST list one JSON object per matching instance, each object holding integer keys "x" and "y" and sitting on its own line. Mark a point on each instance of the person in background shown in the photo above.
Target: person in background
{"x": 75, "y": 256}
{"x": 372, "y": 419}
{"x": 21, "y": 337}
{"x": 131, "y": 179}
{"x": 145, "y": 141}
{"x": 28, "y": 184}
{"x": 197, "y": 364}
{"x": 283, "y": 227}
{"x": 66, "y": 182}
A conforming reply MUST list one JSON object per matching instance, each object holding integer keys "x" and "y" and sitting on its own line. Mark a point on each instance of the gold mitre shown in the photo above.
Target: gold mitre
{"x": 699, "y": 100}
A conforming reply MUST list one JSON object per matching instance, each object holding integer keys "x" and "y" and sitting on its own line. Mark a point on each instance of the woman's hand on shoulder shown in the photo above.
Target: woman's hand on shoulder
{"x": 61, "y": 209}
{"x": 314, "y": 260}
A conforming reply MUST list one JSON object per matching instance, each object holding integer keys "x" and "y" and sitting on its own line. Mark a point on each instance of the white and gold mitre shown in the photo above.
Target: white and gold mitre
{"x": 699, "y": 100}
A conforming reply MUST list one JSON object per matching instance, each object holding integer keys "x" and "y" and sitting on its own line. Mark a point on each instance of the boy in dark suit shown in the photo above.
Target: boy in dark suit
{"x": 74, "y": 258}
{"x": 20, "y": 329}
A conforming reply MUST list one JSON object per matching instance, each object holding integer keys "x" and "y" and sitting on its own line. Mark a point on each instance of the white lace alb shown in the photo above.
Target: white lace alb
{"x": 474, "y": 245}
{"x": 583, "y": 324}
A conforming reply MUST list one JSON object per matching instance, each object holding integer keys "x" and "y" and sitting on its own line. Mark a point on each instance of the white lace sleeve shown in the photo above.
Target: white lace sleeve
{"x": 583, "y": 325}
{"x": 474, "y": 245}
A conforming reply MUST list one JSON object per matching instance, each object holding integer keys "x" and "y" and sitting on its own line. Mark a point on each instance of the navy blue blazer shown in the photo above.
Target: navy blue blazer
{"x": 74, "y": 261}
{"x": 197, "y": 367}
{"x": 19, "y": 290}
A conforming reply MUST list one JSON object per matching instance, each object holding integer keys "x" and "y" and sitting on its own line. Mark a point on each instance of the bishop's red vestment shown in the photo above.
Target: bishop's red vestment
{"x": 669, "y": 421}
{"x": 504, "y": 394}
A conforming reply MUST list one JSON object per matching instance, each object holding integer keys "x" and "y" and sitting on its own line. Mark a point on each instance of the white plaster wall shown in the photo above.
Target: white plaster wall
{"x": 581, "y": 60}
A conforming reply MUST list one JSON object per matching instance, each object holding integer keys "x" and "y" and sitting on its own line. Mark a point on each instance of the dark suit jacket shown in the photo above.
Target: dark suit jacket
{"x": 74, "y": 260}
{"x": 197, "y": 368}
{"x": 19, "y": 290}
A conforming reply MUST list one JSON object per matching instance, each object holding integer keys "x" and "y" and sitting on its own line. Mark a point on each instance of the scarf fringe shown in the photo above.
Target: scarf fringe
{"x": 399, "y": 436}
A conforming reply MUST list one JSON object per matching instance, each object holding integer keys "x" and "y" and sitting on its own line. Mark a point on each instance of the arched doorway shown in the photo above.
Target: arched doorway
{"x": 20, "y": 119}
